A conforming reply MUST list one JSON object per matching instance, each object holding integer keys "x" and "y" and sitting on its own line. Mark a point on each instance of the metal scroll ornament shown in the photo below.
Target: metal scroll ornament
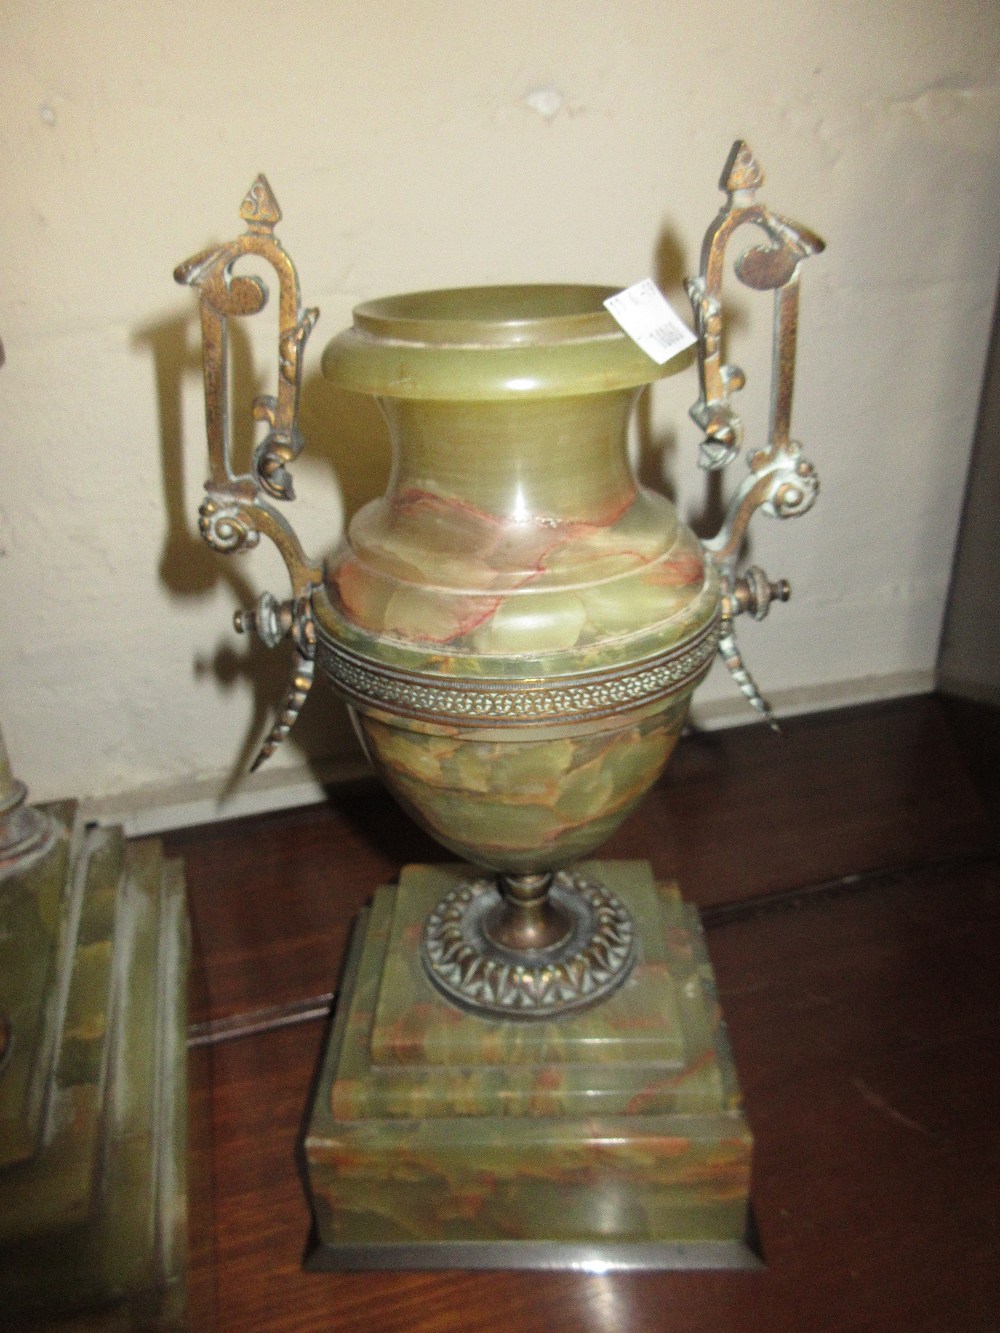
{"x": 236, "y": 510}
{"x": 782, "y": 482}
{"x": 517, "y": 626}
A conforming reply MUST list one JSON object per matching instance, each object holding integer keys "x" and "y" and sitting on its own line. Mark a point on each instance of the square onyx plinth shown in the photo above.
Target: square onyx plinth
{"x": 94, "y": 1221}
{"x": 613, "y": 1137}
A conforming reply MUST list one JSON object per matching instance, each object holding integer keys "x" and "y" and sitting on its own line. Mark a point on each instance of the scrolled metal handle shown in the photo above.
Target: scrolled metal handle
{"x": 236, "y": 510}
{"x": 781, "y": 481}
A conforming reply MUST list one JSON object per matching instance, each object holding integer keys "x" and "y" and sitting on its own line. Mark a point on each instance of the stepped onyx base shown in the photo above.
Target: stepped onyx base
{"x": 93, "y": 1199}
{"x": 610, "y": 1138}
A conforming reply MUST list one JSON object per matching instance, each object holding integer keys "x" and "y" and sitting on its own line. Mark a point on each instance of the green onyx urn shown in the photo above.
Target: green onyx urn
{"x": 516, "y": 624}
{"x": 517, "y": 627}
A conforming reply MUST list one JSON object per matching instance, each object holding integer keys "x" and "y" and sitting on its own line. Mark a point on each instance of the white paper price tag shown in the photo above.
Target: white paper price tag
{"x": 649, "y": 320}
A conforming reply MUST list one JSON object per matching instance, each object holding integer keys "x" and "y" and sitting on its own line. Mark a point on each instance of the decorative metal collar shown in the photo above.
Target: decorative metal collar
{"x": 477, "y": 702}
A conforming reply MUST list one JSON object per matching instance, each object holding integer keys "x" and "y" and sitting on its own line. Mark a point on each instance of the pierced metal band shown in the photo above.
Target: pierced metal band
{"x": 591, "y": 694}
{"x": 478, "y": 974}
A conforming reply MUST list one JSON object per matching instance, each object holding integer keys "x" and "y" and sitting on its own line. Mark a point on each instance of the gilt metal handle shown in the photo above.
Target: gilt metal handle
{"x": 781, "y": 481}
{"x": 237, "y": 508}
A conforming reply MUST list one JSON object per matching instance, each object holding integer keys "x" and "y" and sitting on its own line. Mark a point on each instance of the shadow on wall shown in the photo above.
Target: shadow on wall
{"x": 339, "y": 428}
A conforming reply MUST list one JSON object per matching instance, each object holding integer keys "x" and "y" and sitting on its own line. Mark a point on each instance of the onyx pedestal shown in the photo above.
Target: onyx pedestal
{"x": 93, "y": 1096}
{"x": 612, "y": 1138}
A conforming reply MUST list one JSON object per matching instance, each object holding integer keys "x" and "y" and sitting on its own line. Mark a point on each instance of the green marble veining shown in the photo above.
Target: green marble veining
{"x": 494, "y": 620}
{"x": 514, "y": 538}
{"x": 124, "y": 1253}
{"x": 170, "y": 1265}
{"x": 430, "y": 579}
{"x": 53, "y": 1189}
{"x": 35, "y": 942}
{"x": 640, "y": 1021}
{"x": 514, "y": 544}
{"x": 507, "y": 1149}
{"x": 523, "y": 804}
{"x": 653, "y": 1049}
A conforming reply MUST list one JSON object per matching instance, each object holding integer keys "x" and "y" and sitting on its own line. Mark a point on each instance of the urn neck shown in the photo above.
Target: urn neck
{"x": 520, "y": 461}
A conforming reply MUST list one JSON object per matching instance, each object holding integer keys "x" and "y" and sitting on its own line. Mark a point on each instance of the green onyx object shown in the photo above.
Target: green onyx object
{"x": 527, "y": 1057}
{"x": 93, "y": 1204}
{"x": 517, "y": 625}
{"x": 612, "y": 1138}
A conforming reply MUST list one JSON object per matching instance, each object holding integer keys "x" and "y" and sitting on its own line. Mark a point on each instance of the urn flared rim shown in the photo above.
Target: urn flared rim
{"x": 489, "y": 342}
{"x": 533, "y": 314}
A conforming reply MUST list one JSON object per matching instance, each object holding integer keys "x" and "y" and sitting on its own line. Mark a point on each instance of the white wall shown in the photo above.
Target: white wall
{"x": 403, "y": 145}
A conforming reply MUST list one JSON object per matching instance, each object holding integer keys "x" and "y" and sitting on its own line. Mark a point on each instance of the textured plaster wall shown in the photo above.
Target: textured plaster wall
{"x": 428, "y": 143}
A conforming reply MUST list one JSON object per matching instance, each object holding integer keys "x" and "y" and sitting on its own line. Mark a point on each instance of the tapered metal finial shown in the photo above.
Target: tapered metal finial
{"x": 260, "y": 208}
{"x": 742, "y": 170}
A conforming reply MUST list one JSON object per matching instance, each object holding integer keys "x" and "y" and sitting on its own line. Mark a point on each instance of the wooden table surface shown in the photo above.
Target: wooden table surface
{"x": 847, "y": 874}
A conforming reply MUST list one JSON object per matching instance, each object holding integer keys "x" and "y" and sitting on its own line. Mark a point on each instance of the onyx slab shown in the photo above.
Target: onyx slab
{"x": 611, "y": 1138}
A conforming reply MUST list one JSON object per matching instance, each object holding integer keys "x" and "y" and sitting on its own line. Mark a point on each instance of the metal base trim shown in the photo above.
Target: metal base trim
{"x": 568, "y": 1256}
{"x": 485, "y": 978}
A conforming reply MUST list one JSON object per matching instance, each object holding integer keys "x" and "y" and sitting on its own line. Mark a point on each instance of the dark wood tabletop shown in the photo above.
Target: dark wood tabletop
{"x": 847, "y": 875}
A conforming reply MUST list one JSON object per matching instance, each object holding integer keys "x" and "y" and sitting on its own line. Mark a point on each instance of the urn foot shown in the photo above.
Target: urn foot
{"x": 530, "y": 947}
